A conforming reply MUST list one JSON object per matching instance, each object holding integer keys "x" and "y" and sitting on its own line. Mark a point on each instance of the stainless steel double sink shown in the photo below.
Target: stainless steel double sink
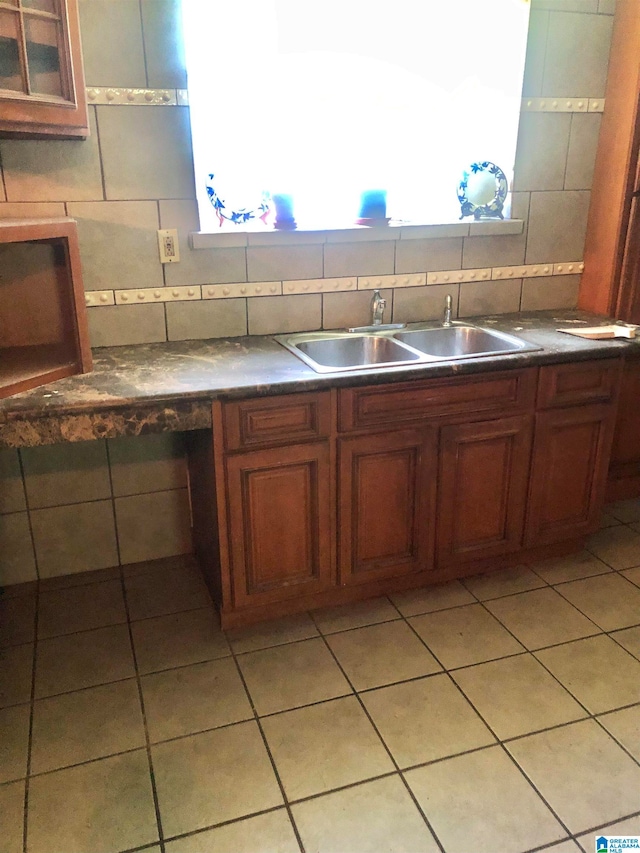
{"x": 330, "y": 352}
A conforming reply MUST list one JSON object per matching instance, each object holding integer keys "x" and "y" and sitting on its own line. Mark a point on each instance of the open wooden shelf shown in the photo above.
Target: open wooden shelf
{"x": 43, "y": 326}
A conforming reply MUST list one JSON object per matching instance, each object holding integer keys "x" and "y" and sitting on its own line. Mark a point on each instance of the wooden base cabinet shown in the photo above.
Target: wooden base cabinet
{"x": 482, "y": 489}
{"x": 308, "y": 500}
{"x": 386, "y": 504}
{"x": 569, "y": 472}
{"x": 280, "y": 522}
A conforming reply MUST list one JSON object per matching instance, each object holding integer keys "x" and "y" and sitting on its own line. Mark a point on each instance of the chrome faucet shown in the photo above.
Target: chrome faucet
{"x": 378, "y": 304}
{"x": 446, "y": 320}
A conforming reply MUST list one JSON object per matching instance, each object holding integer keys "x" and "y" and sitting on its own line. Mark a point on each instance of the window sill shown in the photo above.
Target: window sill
{"x": 361, "y": 234}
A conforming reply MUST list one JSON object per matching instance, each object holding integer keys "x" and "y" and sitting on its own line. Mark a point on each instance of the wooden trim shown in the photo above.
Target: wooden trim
{"x": 615, "y": 168}
{"x": 388, "y": 586}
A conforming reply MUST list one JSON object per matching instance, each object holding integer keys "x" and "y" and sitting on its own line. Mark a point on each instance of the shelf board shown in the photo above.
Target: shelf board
{"x": 26, "y": 367}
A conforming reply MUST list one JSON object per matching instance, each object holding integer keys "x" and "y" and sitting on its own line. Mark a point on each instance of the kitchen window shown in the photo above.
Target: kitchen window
{"x": 322, "y": 115}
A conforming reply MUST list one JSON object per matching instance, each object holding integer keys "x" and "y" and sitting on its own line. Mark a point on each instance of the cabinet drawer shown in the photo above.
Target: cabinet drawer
{"x": 586, "y": 382}
{"x": 274, "y": 420}
{"x": 506, "y": 392}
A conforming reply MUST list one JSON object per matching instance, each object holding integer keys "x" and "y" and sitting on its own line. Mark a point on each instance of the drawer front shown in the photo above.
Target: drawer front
{"x": 276, "y": 420}
{"x": 507, "y": 392}
{"x": 585, "y": 382}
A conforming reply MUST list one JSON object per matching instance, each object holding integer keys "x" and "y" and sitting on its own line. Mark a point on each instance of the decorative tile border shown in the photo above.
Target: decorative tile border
{"x": 118, "y": 96}
{"x": 105, "y": 95}
{"x": 145, "y": 296}
{"x": 562, "y": 105}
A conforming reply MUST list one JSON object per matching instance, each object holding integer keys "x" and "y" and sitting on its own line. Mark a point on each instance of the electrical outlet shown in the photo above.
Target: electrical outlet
{"x": 168, "y": 245}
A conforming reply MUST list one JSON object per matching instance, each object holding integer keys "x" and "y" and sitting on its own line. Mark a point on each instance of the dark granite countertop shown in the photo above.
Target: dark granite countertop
{"x": 169, "y": 386}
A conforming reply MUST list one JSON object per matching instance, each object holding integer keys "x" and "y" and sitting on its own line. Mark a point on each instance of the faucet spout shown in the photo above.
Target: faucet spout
{"x": 446, "y": 320}
{"x": 378, "y": 304}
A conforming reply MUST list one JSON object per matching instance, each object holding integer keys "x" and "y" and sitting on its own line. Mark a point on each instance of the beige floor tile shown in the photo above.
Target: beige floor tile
{"x": 325, "y": 746}
{"x": 633, "y": 575}
{"x": 83, "y": 660}
{"x": 368, "y": 818}
{"x": 608, "y": 520}
{"x": 14, "y": 742}
{"x": 118, "y": 814}
{"x": 629, "y": 639}
{"x": 570, "y": 568}
{"x": 465, "y": 635}
{"x": 194, "y": 698}
{"x": 12, "y": 817}
{"x": 565, "y": 847}
{"x": 625, "y": 727}
{"x": 503, "y": 582}
{"x": 289, "y": 629}
{"x": 608, "y": 600}
{"x": 626, "y": 511}
{"x": 330, "y": 620}
{"x": 600, "y": 674}
{"x": 79, "y": 579}
{"x": 425, "y": 720}
{"x": 273, "y": 829}
{"x": 630, "y": 826}
{"x": 85, "y": 725}
{"x": 382, "y": 654}
{"x": 619, "y": 547}
{"x": 431, "y": 598}
{"x": 561, "y": 763}
{"x": 517, "y": 696}
{"x": 290, "y": 676}
{"x": 178, "y": 639}
{"x": 166, "y": 591}
{"x": 80, "y": 608}
{"x": 541, "y": 618}
{"x": 495, "y": 807}
{"x": 17, "y": 620}
{"x": 16, "y": 668}
{"x": 231, "y": 762}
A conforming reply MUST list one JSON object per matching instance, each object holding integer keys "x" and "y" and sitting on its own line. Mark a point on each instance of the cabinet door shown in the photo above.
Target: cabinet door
{"x": 280, "y": 522}
{"x": 569, "y": 471}
{"x": 42, "y": 89}
{"x": 482, "y": 490}
{"x": 387, "y": 490}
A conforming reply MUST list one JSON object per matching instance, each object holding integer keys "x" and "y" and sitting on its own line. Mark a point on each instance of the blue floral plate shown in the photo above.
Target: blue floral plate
{"x": 482, "y": 191}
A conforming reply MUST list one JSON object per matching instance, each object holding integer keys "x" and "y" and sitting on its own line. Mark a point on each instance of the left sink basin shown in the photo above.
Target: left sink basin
{"x": 347, "y": 352}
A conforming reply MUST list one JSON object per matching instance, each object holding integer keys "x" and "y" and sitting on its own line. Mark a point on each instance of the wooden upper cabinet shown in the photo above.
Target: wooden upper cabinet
{"x": 386, "y": 504}
{"x": 568, "y": 472}
{"x": 280, "y": 522}
{"x": 482, "y": 489}
{"x": 42, "y": 92}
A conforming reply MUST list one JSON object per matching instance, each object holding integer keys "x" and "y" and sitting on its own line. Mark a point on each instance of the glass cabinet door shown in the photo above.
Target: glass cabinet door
{"x": 41, "y": 68}
{"x": 32, "y": 49}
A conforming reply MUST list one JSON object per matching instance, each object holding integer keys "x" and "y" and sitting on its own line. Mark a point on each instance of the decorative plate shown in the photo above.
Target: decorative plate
{"x": 482, "y": 191}
{"x": 260, "y": 210}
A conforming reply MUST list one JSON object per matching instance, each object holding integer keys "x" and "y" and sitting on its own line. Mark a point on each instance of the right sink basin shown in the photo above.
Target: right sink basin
{"x": 461, "y": 341}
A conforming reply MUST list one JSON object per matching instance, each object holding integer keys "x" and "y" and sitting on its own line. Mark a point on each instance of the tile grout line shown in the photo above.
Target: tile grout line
{"x": 154, "y": 791}
{"x": 25, "y": 827}
{"x": 279, "y": 782}
{"x": 382, "y": 740}
{"x": 490, "y": 728}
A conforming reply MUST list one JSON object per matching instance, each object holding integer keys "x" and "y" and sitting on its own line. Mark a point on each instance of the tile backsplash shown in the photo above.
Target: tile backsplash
{"x": 134, "y": 175}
